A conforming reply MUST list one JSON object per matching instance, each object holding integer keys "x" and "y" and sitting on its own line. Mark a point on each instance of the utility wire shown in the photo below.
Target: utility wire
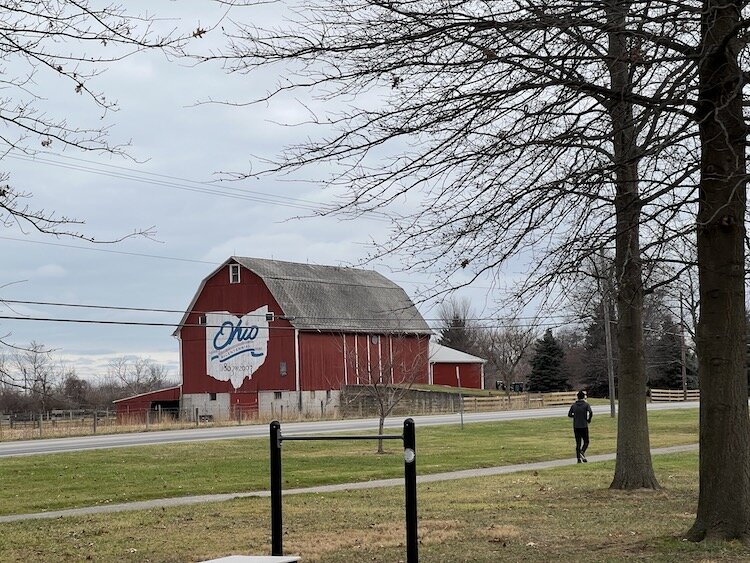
{"x": 185, "y": 184}
{"x": 108, "y": 250}
{"x": 341, "y": 328}
{"x": 164, "y": 257}
{"x": 566, "y": 317}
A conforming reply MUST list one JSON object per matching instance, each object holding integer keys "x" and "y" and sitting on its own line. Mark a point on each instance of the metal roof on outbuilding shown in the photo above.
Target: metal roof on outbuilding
{"x": 440, "y": 354}
{"x": 334, "y": 298}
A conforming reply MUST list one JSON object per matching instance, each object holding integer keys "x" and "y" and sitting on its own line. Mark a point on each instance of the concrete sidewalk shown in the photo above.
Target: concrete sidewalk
{"x": 448, "y": 476}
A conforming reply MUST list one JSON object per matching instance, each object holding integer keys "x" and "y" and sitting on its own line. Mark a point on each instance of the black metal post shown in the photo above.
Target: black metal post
{"x": 276, "y": 528}
{"x": 410, "y": 480}
{"x": 410, "y": 486}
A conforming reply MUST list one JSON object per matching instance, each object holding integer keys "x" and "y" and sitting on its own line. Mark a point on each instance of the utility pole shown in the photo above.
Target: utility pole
{"x": 604, "y": 291}
{"x": 682, "y": 353}
{"x": 610, "y": 359}
{"x": 460, "y": 398}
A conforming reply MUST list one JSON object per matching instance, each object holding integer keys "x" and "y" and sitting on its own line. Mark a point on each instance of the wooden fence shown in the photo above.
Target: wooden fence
{"x": 673, "y": 395}
{"x": 518, "y": 401}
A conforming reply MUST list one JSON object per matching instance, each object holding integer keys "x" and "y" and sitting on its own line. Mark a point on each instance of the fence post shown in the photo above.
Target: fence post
{"x": 410, "y": 487}
{"x": 41, "y": 418}
{"x": 197, "y": 418}
{"x": 94, "y": 422}
{"x": 277, "y": 547}
{"x": 148, "y": 415}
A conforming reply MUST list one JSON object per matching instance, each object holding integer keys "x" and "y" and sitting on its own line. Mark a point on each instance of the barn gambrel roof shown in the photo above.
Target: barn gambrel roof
{"x": 333, "y": 298}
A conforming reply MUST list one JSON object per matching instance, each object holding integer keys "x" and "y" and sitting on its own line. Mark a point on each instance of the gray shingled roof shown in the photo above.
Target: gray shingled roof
{"x": 330, "y": 298}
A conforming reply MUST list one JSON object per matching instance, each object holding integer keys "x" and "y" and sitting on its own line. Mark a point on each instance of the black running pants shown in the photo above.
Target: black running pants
{"x": 582, "y": 440}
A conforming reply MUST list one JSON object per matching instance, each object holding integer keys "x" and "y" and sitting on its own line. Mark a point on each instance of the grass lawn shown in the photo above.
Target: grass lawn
{"x": 56, "y": 481}
{"x": 565, "y": 514}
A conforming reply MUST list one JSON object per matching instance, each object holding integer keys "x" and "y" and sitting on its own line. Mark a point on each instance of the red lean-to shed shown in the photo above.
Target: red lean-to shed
{"x": 132, "y": 409}
{"x": 275, "y": 336}
{"x": 455, "y": 368}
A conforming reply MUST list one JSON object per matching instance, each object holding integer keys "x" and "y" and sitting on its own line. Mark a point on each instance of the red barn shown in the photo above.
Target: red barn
{"x": 455, "y": 368}
{"x": 134, "y": 408}
{"x": 280, "y": 336}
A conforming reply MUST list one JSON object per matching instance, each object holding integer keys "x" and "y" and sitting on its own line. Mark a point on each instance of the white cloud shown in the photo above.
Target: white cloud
{"x": 50, "y": 271}
{"x": 173, "y": 138}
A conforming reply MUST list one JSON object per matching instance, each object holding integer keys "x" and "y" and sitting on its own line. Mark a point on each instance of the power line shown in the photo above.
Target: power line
{"x": 564, "y": 317}
{"x": 164, "y": 257}
{"x": 185, "y": 184}
{"x": 87, "y": 321}
{"x": 87, "y": 306}
{"x": 343, "y": 327}
{"x": 108, "y": 250}
{"x": 197, "y": 187}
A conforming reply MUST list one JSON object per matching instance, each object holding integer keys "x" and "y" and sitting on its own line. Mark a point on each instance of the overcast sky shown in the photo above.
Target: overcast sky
{"x": 178, "y": 146}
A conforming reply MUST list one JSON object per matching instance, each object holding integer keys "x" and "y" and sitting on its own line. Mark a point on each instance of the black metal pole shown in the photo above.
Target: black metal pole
{"x": 410, "y": 486}
{"x": 276, "y": 528}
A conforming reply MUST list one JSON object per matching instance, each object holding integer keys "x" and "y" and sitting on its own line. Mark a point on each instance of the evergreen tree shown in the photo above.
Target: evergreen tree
{"x": 666, "y": 361}
{"x": 596, "y": 377}
{"x": 457, "y": 336}
{"x": 458, "y": 330}
{"x": 547, "y": 372}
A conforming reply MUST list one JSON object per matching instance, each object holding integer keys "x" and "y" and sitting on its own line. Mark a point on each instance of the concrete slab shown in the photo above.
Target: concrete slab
{"x": 255, "y": 559}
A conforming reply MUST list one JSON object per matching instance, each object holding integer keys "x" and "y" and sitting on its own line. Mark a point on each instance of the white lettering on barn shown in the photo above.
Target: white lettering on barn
{"x": 236, "y": 346}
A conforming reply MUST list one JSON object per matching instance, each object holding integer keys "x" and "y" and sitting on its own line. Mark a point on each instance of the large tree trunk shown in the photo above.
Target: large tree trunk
{"x": 724, "y": 497}
{"x": 633, "y": 468}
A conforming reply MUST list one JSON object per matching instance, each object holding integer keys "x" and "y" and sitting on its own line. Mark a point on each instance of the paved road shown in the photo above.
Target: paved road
{"x": 368, "y": 425}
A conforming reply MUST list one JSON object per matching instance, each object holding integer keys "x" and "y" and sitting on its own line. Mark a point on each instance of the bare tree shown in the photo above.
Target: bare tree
{"x": 135, "y": 375}
{"x": 724, "y": 498}
{"x": 37, "y": 373}
{"x": 74, "y": 391}
{"x": 539, "y": 131}
{"x": 506, "y": 348}
{"x": 70, "y": 43}
{"x": 388, "y": 378}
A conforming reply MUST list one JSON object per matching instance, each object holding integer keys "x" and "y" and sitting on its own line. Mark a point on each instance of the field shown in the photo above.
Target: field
{"x": 565, "y": 513}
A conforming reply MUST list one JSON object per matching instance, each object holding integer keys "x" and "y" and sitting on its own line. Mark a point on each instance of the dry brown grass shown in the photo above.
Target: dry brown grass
{"x": 566, "y": 514}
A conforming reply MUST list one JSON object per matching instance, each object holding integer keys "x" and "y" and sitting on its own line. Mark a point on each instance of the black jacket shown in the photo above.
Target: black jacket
{"x": 581, "y": 413}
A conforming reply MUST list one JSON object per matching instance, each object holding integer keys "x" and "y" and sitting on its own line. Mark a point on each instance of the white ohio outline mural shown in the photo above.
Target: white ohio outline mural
{"x": 236, "y": 346}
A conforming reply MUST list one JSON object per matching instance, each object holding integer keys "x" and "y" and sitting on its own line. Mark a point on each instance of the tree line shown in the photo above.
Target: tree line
{"x": 34, "y": 379}
{"x": 572, "y": 357}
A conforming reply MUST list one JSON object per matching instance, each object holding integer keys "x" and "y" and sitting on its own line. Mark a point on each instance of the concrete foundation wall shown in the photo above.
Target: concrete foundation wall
{"x": 217, "y": 409}
{"x": 315, "y": 404}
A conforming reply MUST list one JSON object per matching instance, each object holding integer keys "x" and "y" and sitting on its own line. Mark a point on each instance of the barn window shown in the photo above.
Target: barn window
{"x": 234, "y": 273}
{"x": 201, "y": 319}
{"x": 212, "y": 396}
{"x": 277, "y": 394}
{"x": 282, "y": 369}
